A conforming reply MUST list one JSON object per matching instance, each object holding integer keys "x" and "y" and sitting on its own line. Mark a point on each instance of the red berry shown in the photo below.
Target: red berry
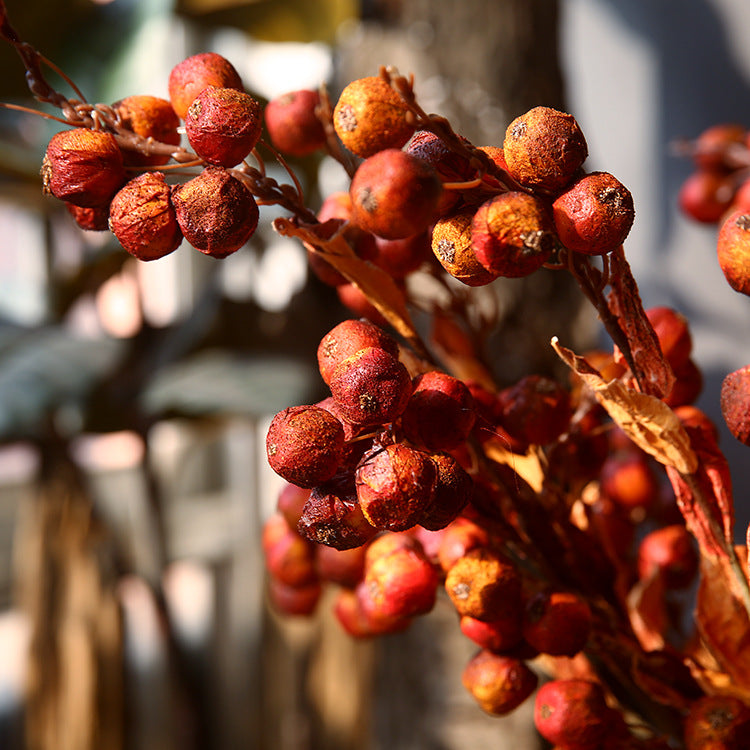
{"x": 733, "y": 250}
{"x": 706, "y": 195}
{"x": 499, "y": 684}
{"x": 143, "y": 218}
{"x": 571, "y": 713}
{"x": 149, "y": 117}
{"x": 216, "y": 212}
{"x": 394, "y": 194}
{"x": 544, "y": 148}
{"x": 735, "y": 403}
{"x": 669, "y": 552}
{"x": 188, "y": 78}
{"x": 557, "y": 623}
{"x": 370, "y": 116}
{"x": 717, "y": 722}
{"x": 453, "y": 490}
{"x": 292, "y": 124}
{"x": 223, "y": 125}
{"x": 304, "y": 445}
{"x": 83, "y": 167}
{"x": 594, "y": 215}
{"x": 512, "y": 234}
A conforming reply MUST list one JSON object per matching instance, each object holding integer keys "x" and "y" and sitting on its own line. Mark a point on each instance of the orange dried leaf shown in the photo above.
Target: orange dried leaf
{"x": 374, "y": 282}
{"x": 646, "y": 420}
{"x": 723, "y": 621}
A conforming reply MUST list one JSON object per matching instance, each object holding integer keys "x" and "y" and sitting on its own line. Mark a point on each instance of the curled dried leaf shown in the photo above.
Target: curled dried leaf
{"x": 646, "y": 420}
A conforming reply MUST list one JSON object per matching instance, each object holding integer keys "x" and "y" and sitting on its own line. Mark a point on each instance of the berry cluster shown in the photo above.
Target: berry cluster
{"x": 718, "y": 192}
{"x": 562, "y": 521}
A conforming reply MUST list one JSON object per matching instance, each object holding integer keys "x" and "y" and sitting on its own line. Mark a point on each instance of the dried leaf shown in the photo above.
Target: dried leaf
{"x": 666, "y": 678}
{"x": 374, "y": 282}
{"x": 648, "y": 611}
{"x": 526, "y": 465}
{"x": 651, "y": 369}
{"x": 646, "y": 420}
{"x": 723, "y": 621}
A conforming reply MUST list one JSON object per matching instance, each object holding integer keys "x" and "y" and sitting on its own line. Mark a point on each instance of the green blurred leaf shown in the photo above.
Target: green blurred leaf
{"x": 45, "y": 368}
{"x": 214, "y": 382}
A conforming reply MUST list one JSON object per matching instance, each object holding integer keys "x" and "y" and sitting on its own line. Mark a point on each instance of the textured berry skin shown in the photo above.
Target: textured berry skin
{"x": 453, "y": 489}
{"x": 512, "y": 234}
{"x": 717, "y": 722}
{"x": 83, "y": 167}
{"x": 571, "y": 713}
{"x": 735, "y": 403}
{"x": 483, "y": 585}
{"x": 498, "y": 684}
{"x": 347, "y": 338}
{"x": 395, "y": 484}
{"x": 452, "y": 246}
{"x": 304, "y": 445}
{"x": 394, "y": 194}
{"x": 594, "y": 215}
{"x": 557, "y": 623}
{"x": 215, "y": 211}
{"x": 399, "y": 581}
{"x": 544, "y": 148}
{"x": 143, "y": 219}
{"x": 669, "y": 552}
{"x": 292, "y": 124}
{"x": 149, "y": 117}
{"x": 370, "y": 116}
{"x": 188, "y": 78}
{"x": 371, "y": 387}
{"x": 223, "y": 125}
{"x": 333, "y": 517}
{"x": 733, "y": 250}
{"x": 440, "y": 412}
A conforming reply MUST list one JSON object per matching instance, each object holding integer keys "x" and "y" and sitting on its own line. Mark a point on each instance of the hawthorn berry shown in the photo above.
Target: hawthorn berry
{"x": 499, "y": 684}
{"x": 453, "y": 247}
{"x": 709, "y": 150}
{"x": 735, "y": 403}
{"x": 304, "y": 445}
{"x": 347, "y": 338}
{"x": 292, "y": 123}
{"x": 223, "y": 125}
{"x": 557, "y": 623}
{"x": 370, "y": 116}
{"x": 717, "y": 722}
{"x": 289, "y": 558}
{"x": 332, "y": 515}
{"x": 188, "y": 78}
{"x": 150, "y": 117}
{"x": 512, "y": 234}
{"x": 484, "y": 585}
{"x": 92, "y": 219}
{"x": 394, "y": 194}
{"x": 216, "y": 212}
{"x": 371, "y": 387}
{"x": 733, "y": 250}
{"x": 594, "y": 215}
{"x": 453, "y": 490}
{"x": 706, "y": 195}
{"x": 544, "y": 148}
{"x": 571, "y": 713}
{"x": 143, "y": 218}
{"x": 395, "y": 484}
{"x": 83, "y": 167}
{"x": 497, "y": 636}
{"x": 439, "y": 414}
{"x": 669, "y": 552}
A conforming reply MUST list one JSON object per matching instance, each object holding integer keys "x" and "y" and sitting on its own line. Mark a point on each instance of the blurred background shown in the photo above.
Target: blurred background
{"x": 134, "y": 397}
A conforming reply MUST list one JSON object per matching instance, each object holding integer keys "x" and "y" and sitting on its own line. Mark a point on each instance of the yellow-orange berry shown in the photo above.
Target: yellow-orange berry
{"x": 149, "y": 117}
{"x": 370, "y": 116}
